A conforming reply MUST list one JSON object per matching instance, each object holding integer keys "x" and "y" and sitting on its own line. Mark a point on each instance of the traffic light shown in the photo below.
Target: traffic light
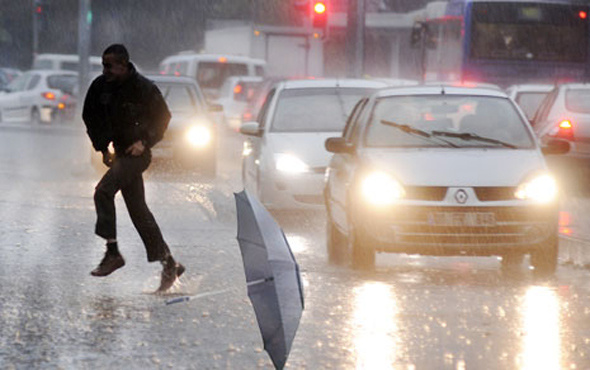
{"x": 319, "y": 14}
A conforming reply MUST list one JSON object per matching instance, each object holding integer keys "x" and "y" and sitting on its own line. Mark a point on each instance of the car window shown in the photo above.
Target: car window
{"x": 543, "y": 110}
{"x": 33, "y": 82}
{"x": 65, "y": 83}
{"x": 493, "y": 118}
{"x": 213, "y": 74}
{"x": 19, "y": 83}
{"x": 315, "y": 109}
{"x": 43, "y": 64}
{"x": 578, "y": 100}
{"x": 352, "y": 118}
{"x": 180, "y": 99}
{"x": 182, "y": 68}
{"x": 264, "y": 110}
{"x": 530, "y": 101}
{"x": 70, "y": 66}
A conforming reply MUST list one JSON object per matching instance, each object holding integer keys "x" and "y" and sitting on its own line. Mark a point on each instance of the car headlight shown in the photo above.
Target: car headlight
{"x": 198, "y": 136}
{"x": 290, "y": 164}
{"x": 541, "y": 189}
{"x": 380, "y": 189}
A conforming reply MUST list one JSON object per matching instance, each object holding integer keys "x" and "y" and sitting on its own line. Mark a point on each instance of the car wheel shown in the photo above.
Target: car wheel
{"x": 35, "y": 116}
{"x": 363, "y": 251}
{"x": 336, "y": 243}
{"x": 544, "y": 259}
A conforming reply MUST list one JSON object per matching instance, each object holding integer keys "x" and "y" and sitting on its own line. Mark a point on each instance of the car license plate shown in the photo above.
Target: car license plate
{"x": 462, "y": 219}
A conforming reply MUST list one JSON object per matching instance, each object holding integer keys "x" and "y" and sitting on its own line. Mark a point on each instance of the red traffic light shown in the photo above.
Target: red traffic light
{"x": 583, "y": 14}
{"x": 319, "y": 15}
{"x": 319, "y": 7}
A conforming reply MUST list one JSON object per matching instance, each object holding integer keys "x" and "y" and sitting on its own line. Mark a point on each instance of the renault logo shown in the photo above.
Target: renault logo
{"x": 461, "y": 196}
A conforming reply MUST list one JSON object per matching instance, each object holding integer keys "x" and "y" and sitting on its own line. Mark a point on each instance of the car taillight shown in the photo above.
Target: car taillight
{"x": 61, "y": 106}
{"x": 246, "y": 116}
{"x": 564, "y": 130}
{"x": 48, "y": 95}
{"x": 237, "y": 89}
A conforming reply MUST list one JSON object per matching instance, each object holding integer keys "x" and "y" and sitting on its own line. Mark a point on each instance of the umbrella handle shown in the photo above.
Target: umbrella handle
{"x": 177, "y": 300}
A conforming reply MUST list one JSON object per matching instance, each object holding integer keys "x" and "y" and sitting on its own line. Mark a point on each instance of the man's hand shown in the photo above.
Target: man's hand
{"x": 108, "y": 158}
{"x": 136, "y": 149}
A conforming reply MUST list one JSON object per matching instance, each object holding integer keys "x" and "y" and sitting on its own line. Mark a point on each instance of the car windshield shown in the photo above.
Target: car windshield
{"x": 315, "y": 109}
{"x": 530, "y": 101}
{"x": 447, "y": 121}
{"x": 65, "y": 83}
{"x": 180, "y": 98}
{"x": 578, "y": 100}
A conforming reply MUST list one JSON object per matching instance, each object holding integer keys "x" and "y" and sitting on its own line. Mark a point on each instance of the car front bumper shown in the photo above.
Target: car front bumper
{"x": 456, "y": 230}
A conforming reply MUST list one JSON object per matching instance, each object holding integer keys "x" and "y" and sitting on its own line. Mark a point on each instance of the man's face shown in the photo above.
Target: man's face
{"x": 114, "y": 69}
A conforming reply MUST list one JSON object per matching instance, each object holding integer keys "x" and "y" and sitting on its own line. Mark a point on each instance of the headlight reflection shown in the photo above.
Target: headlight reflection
{"x": 542, "y": 342}
{"x": 375, "y": 326}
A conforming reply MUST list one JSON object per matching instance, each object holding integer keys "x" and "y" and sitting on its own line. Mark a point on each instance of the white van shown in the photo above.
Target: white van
{"x": 68, "y": 62}
{"x": 211, "y": 70}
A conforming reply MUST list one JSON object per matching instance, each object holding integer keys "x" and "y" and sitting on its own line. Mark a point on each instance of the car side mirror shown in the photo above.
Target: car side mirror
{"x": 338, "y": 145}
{"x": 251, "y": 128}
{"x": 214, "y": 108}
{"x": 556, "y": 146}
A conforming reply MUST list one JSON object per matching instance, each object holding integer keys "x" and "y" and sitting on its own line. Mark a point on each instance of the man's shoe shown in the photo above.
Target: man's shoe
{"x": 109, "y": 263}
{"x": 170, "y": 273}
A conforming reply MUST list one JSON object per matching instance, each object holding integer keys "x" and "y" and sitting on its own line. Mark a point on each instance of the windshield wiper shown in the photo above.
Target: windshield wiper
{"x": 412, "y": 130}
{"x": 469, "y": 136}
{"x": 406, "y": 128}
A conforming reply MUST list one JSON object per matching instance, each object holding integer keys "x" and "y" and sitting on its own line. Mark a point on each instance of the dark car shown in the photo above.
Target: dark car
{"x": 192, "y": 134}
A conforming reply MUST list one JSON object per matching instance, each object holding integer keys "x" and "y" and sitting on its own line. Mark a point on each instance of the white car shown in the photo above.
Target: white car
{"x": 234, "y": 96}
{"x": 284, "y": 157}
{"x": 529, "y": 97}
{"x": 35, "y": 96}
{"x": 441, "y": 171}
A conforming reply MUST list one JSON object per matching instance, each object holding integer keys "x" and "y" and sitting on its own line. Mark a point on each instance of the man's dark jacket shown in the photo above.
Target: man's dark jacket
{"x": 125, "y": 112}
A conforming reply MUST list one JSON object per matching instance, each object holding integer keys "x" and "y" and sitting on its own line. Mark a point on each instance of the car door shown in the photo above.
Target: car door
{"x": 340, "y": 170}
{"x": 10, "y": 102}
{"x": 30, "y": 98}
{"x": 253, "y": 147}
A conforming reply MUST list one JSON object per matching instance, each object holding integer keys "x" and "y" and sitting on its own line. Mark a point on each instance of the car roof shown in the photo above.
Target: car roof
{"x": 336, "y": 82}
{"x": 66, "y": 57}
{"x": 439, "y": 90}
{"x": 48, "y": 72}
{"x": 213, "y": 58}
{"x": 576, "y": 85}
{"x": 171, "y": 79}
{"x": 531, "y": 88}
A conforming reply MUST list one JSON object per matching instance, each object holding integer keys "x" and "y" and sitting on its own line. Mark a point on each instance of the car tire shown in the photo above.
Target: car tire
{"x": 544, "y": 259}
{"x": 35, "y": 116}
{"x": 335, "y": 243}
{"x": 363, "y": 251}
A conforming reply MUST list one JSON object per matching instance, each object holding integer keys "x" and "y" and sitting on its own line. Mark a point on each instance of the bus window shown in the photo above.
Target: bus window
{"x": 527, "y": 31}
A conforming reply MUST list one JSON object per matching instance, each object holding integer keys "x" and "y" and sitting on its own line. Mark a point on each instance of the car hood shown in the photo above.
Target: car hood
{"x": 309, "y": 147}
{"x": 456, "y": 167}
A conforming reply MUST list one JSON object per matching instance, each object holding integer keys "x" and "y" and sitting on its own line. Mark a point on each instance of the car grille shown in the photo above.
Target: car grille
{"x": 488, "y": 194}
{"x": 433, "y": 193}
{"x": 512, "y": 226}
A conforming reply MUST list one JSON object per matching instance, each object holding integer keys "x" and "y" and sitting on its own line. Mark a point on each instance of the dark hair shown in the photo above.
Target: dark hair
{"x": 119, "y": 51}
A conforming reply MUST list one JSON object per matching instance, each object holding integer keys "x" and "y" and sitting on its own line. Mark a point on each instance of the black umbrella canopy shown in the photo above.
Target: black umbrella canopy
{"x": 272, "y": 274}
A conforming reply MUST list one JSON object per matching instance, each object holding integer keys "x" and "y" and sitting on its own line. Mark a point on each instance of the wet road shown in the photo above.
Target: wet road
{"x": 411, "y": 313}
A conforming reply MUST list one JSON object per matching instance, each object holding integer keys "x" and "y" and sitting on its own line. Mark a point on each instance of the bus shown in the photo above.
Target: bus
{"x": 504, "y": 42}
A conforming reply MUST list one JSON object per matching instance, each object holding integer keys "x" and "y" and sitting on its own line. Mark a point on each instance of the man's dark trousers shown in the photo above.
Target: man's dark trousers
{"x": 126, "y": 175}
